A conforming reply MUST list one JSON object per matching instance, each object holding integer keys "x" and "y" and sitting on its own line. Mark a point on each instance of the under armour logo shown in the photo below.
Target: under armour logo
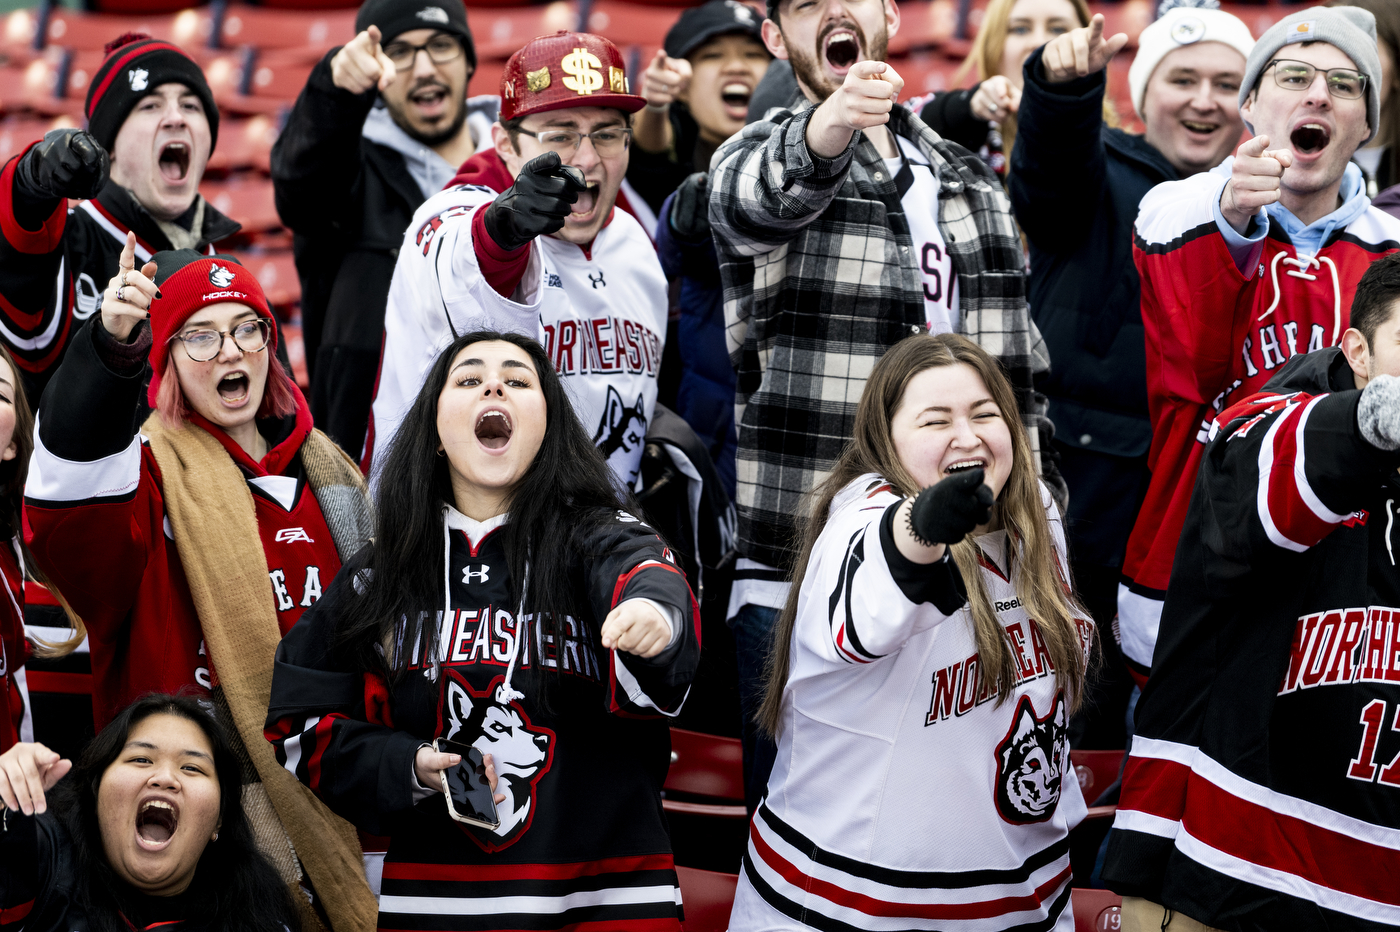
{"x": 289, "y": 534}
{"x": 597, "y": 281}
{"x": 468, "y": 574}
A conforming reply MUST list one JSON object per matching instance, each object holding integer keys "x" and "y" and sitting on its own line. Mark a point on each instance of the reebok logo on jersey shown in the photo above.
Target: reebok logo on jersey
{"x": 289, "y": 534}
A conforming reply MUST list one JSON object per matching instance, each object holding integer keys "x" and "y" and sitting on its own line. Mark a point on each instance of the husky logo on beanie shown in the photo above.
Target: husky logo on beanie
{"x": 138, "y": 77}
{"x": 219, "y": 276}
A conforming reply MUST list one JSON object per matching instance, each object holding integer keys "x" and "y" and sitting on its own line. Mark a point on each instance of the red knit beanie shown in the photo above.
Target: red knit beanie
{"x": 189, "y": 281}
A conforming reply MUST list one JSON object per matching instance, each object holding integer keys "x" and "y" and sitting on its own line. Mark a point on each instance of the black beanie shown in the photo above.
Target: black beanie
{"x": 394, "y": 17}
{"x": 135, "y": 66}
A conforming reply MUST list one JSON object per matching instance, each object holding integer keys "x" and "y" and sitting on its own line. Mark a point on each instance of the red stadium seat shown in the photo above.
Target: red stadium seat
{"x": 92, "y": 31}
{"x": 499, "y": 32}
{"x": 316, "y": 30}
{"x": 708, "y": 897}
{"x": 1097, "y": 770}
{"x": 277, "y": 273}
{"x": 706, "y": 776}
{"x": 17, "y": 132}
{"x": 925, "y": 72}
{"x": 1096, "y": 910}
{"x": 631, "y": 23}
{"x": 244, "y": 143}
{"x": 924, "y": 24}
{"x": 247, "y": 200}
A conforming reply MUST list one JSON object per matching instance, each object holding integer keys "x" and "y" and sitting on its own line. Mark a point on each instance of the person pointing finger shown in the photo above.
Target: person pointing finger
{"x": 1256, "y": 180}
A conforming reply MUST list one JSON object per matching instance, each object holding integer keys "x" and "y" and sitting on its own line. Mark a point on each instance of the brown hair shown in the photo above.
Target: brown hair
{"x": 1041, "y": 582}
{"x": 1387, "y": 14}
{"x": 985, "y": 60}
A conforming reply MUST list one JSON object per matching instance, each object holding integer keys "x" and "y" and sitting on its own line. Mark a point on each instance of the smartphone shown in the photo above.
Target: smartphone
{"x": 468, "y": 792}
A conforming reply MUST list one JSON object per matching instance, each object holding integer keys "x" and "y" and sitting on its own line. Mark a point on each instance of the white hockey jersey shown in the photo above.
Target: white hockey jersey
{"x": 903, "y": 796}
{"x": 600, "y": 314}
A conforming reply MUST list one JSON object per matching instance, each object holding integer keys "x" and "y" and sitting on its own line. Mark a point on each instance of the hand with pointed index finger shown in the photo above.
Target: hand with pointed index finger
{"x": 127, "y": 300}
{"x": 361, "y": 65}
{"x": 863, "y": 101}
{"x": 1256, "y": 180}
{"x": 1080, "y": 52}
{"x": 27, "y": 772}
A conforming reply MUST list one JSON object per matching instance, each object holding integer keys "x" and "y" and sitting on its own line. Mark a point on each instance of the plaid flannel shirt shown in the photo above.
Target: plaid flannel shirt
{"x": 820, "y": 279}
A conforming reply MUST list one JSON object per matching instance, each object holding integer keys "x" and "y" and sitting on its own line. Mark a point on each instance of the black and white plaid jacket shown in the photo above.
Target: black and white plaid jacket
{"x": 820, "y": 279}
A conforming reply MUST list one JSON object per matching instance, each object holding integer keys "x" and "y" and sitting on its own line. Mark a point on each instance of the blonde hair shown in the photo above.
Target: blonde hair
{"x": 1041, "y": 583}
{"x": 986, "y": 54}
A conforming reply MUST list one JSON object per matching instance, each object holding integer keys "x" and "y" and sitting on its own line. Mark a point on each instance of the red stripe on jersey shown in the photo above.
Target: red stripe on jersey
{"x": 841, "y": 646}
{"x": 1288, "y": 511}
{"x": 323, "y": 739}
{"x": 15, "y": 913}
{"x": 97, "y": 206}
{"x": 985, "y": 909}
{"x": 403, "y": 870}
{"x": 279, "y": 729}
{"x": 30, "y": 242}
{"x": 626, "y": 577}
{"x": 47, "y": 681}
{"x": 1259, "y": 835}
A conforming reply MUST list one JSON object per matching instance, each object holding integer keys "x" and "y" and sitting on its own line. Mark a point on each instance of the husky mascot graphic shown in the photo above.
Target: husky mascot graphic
{"x": 522, "y": 753}
{"x": 1031, "y": 763}
{"x": 219, "y": 276}
{"x": 622, "y": 429}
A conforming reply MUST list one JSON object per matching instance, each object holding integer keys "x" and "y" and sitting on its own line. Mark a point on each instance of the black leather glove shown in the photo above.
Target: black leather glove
{"x": 537, "y": 204}
{"x": 690, "y": 209}
{"x": 67, "y": 163}
{"x": 946, "y": 512}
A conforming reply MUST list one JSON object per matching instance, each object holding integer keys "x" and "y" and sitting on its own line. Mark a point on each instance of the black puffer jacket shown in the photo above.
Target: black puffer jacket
{"x": 1075, "y": 187}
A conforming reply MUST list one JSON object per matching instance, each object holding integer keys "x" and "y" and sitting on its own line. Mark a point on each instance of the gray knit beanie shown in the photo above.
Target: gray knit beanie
{"x": 1349, "y": 28}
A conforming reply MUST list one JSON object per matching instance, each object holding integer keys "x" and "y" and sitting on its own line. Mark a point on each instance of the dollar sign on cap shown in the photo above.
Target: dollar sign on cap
{"x": 582, "y": 66}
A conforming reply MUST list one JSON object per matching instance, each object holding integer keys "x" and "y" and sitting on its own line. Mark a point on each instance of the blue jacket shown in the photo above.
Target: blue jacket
{"x": 705, "y": 398}
{"x": 1075, "y": 187}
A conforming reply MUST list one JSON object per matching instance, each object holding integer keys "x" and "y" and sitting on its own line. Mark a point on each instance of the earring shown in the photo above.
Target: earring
{"x": 216, "y": 837}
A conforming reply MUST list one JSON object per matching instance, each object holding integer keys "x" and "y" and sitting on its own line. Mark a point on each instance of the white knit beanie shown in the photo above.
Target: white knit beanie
{"x": 1179, "y": 26}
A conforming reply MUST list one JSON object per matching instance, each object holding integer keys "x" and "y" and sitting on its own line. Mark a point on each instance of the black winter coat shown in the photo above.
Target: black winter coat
{"x": 349, "y": 214}
{"x": 1075, "y": 187}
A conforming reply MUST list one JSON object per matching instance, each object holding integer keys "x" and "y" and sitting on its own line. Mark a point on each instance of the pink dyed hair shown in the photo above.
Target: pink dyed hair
{"x": 279, "y": 397}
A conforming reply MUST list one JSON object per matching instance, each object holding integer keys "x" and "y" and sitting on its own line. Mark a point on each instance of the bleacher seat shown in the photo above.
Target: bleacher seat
{"x": 248, "y": 200}
{"x": 287, "y": 28}
{"x": 244, "y": 144}
{"x": 277, "y": 273}
{"x": 708, "y": 897}
{"x": 1096, "y": 910}
{"x": 706, "y": 776}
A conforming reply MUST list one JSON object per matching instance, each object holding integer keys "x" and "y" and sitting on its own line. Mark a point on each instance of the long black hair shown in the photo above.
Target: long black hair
{"x": 567, "y": 490}
{"x": 234, "y": 888}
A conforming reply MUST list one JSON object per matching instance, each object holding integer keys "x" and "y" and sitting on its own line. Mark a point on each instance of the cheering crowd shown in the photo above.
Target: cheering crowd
{"x": 989, "y": 428}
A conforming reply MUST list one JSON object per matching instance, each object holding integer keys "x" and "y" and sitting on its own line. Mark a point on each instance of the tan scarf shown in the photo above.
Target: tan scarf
{"x": 215, "y": 528}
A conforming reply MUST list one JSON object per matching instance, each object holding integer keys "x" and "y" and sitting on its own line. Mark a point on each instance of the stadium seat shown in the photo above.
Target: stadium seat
{"x": 315, "y": 30}
{"x": 499, "y": 32}
{"x": 247, "y": 200}
{"x": 1096, "y": 910}
{"x": 631, "y": 23}
{"x": 924, "y": 24}
{"x": 243, "y": 144}
{"x": 924, "y": 72}
{"x": 706, "y": 776}
{"x": 92, "y": 31}
{"x": 1097, "y": 770}
{"x": 708, "y": 897}
{"x": 17, "y": 132}
{"x": 276, "y": 271}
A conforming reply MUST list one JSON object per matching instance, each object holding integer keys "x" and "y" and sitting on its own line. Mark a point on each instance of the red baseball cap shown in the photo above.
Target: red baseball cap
{"x": 567, "y": 69}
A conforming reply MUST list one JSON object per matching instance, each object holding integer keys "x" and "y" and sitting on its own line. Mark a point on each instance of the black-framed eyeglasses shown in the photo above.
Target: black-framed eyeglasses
{"x": 441, "y": 48}
{"x": 250, "y": 336}
{"x": 1346, "y": 83}
{"x": 606, "y": 142}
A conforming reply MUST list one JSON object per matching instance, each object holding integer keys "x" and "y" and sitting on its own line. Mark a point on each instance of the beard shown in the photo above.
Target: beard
{"x": 435, "y": 137}
{"x": 808, "y": 67}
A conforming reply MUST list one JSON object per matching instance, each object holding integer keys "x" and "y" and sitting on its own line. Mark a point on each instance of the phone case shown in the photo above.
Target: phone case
{"x": 447, "y": 794}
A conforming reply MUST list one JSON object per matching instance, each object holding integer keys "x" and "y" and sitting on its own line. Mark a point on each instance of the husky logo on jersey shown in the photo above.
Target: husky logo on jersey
{"x": 1031, "y": 763}
{"x": 621, "y": 430}
{"x": 521, "y": 752}
{"x": 219, "y": 276}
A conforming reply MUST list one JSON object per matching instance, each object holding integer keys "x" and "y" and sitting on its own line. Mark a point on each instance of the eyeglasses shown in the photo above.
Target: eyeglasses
{"x": 251, "y": 336}
{"x": 1345, "y": 83}
{"x": 606, "y": 142}
{"x": 441, "y": 48}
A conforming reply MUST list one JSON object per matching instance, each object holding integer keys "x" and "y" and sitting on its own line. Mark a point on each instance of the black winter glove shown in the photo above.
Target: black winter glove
{"x": 537, "y": 204}
{"x": 690, "y": 209}
{"x": 946, "y": 512}
{"x": 67, "y": 163}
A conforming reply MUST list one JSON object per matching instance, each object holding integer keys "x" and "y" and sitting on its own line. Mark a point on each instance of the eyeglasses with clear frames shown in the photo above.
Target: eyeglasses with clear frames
{"x": 1345, "y": 83}
{"x": 606, "y": 142}
{"x": 441, "y": 48}
{"x": 250, "y": 336}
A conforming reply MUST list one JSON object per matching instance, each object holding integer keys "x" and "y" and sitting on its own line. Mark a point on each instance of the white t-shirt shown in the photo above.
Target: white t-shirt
{"x": 920, "y": 201}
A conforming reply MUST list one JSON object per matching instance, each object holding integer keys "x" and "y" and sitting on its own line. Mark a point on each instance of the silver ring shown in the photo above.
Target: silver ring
{"x": 119, "y": 294}
{"x": 124, "y": 274}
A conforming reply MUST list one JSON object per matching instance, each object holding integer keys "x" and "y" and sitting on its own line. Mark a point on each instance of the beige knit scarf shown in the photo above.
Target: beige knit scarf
{"x": 215, "y": 528}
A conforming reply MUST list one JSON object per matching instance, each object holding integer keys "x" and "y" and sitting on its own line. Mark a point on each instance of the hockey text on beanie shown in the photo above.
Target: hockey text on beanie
{"x": 134, "y": 67}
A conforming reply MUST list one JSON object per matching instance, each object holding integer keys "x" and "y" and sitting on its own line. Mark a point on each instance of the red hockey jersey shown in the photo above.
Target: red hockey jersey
{"x": 1215, "y": 335}
{"x": 95, "y": 522}
{"x": 15, "y": 721}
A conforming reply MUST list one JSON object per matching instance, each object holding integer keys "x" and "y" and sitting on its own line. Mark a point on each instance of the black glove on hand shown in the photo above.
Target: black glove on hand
{"x": 690, "y": 209}
{"x": 946, "y": 512}
{"x": 536, "y": 204}
{"x": 67, "y": 163}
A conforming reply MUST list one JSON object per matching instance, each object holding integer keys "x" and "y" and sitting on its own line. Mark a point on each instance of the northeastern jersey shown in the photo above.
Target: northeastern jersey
{"x": 582, "y": 841}
{"x": 1263, "y": 786}
{"x": 92, "y": 478}
{"x": 16, "y": 717}
{"x": 1215, "y": 335}
{"x": 904, "y": 795}
{"x": 600, "y": 313}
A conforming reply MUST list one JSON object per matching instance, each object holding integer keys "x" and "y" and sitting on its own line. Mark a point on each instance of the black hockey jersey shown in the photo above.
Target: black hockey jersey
{"x": 1263, "y": 786}
{"x": 582, "y": 842}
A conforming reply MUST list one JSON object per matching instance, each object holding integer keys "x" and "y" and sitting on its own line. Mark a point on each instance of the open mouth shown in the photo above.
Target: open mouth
{"x": 1310, "y": 138}
{"x": 964, "y": 466}
{"x": 842, "y": 50}
{"x": 156, "y": 821}
{"x": 233, "y": 388}
{"x": 174, "y": 161}
{"x": 429, "y": 96}
{"x": 736, "y": 95}
{"x": 585, "y": 205}
{"x": 493, "y": 429}
{"x": 1195, "y": 126}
